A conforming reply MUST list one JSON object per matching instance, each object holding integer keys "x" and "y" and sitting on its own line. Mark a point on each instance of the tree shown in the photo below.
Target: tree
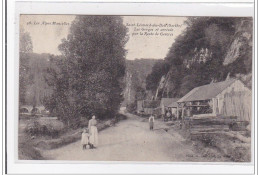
{"x": 89, "y": 76}
{"x": 25, "y": 42}
{"x": 24, "y": 51}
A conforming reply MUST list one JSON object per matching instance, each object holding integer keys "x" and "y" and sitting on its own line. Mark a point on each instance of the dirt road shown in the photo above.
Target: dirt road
{"x": 131, "y": 140}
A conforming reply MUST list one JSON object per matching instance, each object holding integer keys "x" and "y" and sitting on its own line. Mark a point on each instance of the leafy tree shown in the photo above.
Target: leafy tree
{"x": 25, "y": 48}
{"x": 89, "y": 76}
{"x": 25, "y": 42}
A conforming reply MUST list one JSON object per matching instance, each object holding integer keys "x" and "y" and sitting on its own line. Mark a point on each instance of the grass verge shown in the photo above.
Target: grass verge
{"x": 29, "y": 149}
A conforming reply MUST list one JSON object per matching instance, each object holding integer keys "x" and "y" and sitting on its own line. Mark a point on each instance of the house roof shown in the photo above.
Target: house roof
{"x": 168, "y": 101}
{"x": 206, "y": 92}
{"x": 173, "y": 105}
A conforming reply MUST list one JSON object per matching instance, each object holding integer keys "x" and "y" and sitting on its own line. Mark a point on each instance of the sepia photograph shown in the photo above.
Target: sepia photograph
{"x": 135, "y": 88}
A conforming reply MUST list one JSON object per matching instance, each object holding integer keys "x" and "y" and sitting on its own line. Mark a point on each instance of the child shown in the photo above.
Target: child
{"x": 85, "y": 138}
{"x": 151, "y": 122}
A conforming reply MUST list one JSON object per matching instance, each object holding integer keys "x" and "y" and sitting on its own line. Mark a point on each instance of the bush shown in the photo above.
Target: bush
{"x": 131, "y": 107}
{"x": 83, "y": 122}
{"x": 208, "y": 140}
{"x": 120, "y": 117}
{"x": 43, "y": 128}
{"x": 27, "y": 152}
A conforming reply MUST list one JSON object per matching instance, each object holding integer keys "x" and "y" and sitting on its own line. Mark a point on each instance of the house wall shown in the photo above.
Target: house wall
{"x": 236, "y": 100}
{"x": 174, "y": 111}
{"x": 148, "y": 110}
{"x": 163, "y": 108}
{"x": 157, "y": 111}
{"x": 139, "y": 106}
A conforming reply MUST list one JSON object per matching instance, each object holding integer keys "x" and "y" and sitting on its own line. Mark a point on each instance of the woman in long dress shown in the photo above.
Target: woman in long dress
{"x": 93, "y": 139}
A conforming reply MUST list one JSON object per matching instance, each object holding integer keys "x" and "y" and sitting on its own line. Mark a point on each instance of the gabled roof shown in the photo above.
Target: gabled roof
{"x": 168, "y": 101}
{"x": 206, "y": 92}
{"x": 173, "y": 105}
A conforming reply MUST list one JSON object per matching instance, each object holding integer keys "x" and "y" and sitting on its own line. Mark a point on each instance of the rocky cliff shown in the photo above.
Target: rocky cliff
{"x": 240, "y": 51}
{"x": 242, "y": 39}
{"x": 209, "y": 50}
{"x": 135, "y": 77}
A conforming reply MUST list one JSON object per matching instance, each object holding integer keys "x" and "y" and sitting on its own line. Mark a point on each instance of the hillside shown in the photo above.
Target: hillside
{"x": 37, "y": 88}
{"x": 135, "y": 78}
{"x": 209, "y": 50}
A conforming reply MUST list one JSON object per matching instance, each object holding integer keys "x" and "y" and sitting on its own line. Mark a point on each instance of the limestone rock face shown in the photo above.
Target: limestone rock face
{"x": 242, "y": 39}
{"x": 136, "y": 72}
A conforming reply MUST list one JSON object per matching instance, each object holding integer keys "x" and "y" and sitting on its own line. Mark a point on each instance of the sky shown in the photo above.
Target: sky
{"x": 47, "y": 31}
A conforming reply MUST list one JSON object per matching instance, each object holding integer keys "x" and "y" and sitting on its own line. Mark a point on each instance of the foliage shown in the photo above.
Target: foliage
{"x": 159, "y": 69}
{"x": 38, "y": 129}
{"x": 132, "y": 107}
{"x": 140, "y": 94}
{"x": 197, "y": 55}
{"x": 25, "y": 42}
{"x": 89, "y": 74}
{"x": 24, "y": 50}
{"x": 33, "y": 71}
{"x": 140, "y": 69}
{"x": 137, "y": 71}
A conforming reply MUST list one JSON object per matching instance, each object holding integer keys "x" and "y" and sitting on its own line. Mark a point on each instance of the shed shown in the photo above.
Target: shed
{"x": 173, "y": 106}
{"x": 147, "y": 106}
{"x": 139, "y": 107}
{"x": 229, "y": 98}
{"x": 166, "y": 103}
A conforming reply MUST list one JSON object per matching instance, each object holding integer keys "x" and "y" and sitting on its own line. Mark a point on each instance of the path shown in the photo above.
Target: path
{"x": 130, "y": 140}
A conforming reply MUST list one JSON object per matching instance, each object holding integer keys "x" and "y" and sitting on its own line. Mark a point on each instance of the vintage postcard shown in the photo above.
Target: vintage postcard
{"x": 135, "y": 88}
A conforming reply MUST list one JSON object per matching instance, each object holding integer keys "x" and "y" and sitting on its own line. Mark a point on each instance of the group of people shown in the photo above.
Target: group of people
{"x": 167, "y": 115}
{"x": 89, "y": 135}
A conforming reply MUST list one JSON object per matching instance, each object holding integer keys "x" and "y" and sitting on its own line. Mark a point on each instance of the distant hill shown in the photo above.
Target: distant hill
{"x": 136, "y": 73}
{"x": 37, "y": 88}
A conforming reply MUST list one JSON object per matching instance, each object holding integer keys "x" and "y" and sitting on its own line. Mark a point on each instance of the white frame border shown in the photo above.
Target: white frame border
{"x": 69, "y": 167}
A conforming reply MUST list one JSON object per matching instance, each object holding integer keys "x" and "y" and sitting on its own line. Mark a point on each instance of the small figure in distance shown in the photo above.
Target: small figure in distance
{"x": 151, "y": 122}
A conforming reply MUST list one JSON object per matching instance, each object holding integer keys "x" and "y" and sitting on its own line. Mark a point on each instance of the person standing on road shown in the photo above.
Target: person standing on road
{"x": 168, "y": 115}
{"x": 85, "y": 139}
{"x": 93, "y": 139}
{"x": 151, "y": 122}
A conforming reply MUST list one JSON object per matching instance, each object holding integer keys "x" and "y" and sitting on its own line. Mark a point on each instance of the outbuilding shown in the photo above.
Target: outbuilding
{"x": 173, "y": 107}
{"x": 166, "y": 103}
{"x": 227, "y": 98}
{"x": 147, "y": 106}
